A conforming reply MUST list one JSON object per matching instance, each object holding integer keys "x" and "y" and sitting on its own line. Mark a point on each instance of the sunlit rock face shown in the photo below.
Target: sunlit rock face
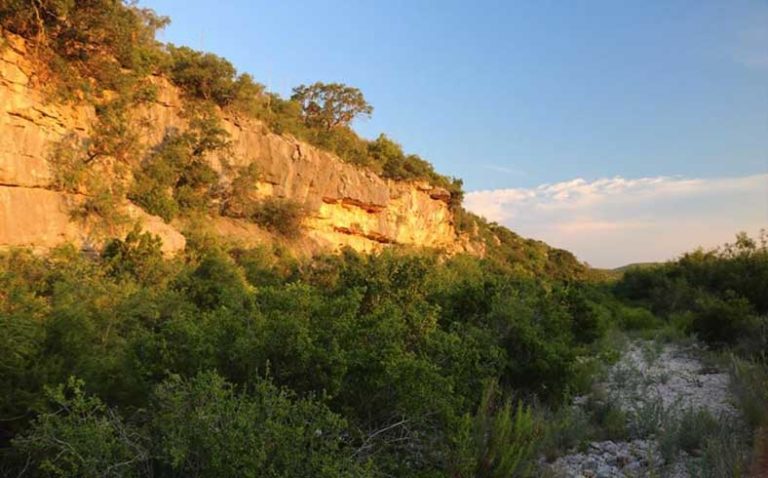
{"x": 346, "y": 205}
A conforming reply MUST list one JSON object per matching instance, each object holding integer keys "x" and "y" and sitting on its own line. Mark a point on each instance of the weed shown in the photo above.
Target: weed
{"x": 749, "y": 383}
{"x": 724, "y": 452}
{"x": 688, "y": 433}
{"x": 626, "y": 377}
{"x": 609, "y": 420}
{"x": 648, "y": 418}
{"x": 566, "y": 429}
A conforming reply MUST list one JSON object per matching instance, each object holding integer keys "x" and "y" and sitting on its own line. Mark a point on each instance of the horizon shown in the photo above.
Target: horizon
{"x": 621, "y": 133}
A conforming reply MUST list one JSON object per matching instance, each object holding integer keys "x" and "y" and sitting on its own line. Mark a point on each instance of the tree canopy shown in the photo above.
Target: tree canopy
{"x": 330, "y": 105}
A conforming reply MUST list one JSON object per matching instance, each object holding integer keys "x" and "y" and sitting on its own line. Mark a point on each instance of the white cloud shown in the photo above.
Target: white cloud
{"x": 614, "y": 221}
{"x": 505, "y": 170}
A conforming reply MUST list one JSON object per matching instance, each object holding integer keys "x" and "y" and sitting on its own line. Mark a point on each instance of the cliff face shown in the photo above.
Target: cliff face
{"x": 347, "y": 206}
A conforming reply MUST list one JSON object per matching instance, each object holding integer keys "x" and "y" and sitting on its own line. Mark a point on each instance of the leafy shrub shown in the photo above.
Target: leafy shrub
{"x": 265, "y": 265}
{"x": 638, "y": 318}
{"x": 724, "y": 321}
{"x": 105, "y": 204}
{"x": 97, "y": 166}
{"x": 80, "y": 436}
{"x": 108, "y": 41}
{"x": 717, "y": 446}
{"x": 609, "y": 421}
{"x": 648, "y": 418}
{"x": 176, "y": 177}
{"x": 399, "y": 344}
{"x": 205, "y": 427}
{"x": 210, "y": 77}
{"x": 330, "y": 105}
{"x": 725, "y": 453}
{"x": 749, "y": 382}
{"x": 282, "y": 216}
{"x": 138, "y": 256}
{"x": 689, "y": 432}
{"x": 68, "y": 168}
{"x": 612, "y": 424}
{"x": 240, "y": 201}
{"x": 590, "y": 318}
{"x": 566, "y": 429}
{"x": 500, "y": 441}
{"x": 113, "y": 137}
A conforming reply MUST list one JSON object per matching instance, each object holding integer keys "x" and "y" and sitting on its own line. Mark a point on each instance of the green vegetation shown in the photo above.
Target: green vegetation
{"x": 92, "y": 48}
{"x": 209, "y": 77}
{"x": 341, "y": 366}
{"x": 500, "y": 440}
{"x": 176, "y": 177}
{"x": 719, "y": 297}
{"x": 88, "y": 46}
{"x": 516, "y": 255}
{"x": 282, "y": 216}
{"x": 328, "y": 106}
{"x": 248, "y": 362}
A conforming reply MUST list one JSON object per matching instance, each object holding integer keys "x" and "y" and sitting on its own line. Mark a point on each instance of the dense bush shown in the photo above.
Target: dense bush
{"x": 204, "y": 427}
{"x": 210, "y": 77}
{"x": 80, "y": 436}
{"x": 282, "y": 216}
{"x": 342, "y": 365}
{"x": 198, "y": 427}
{"x": 177, "y": 176}
{"x": 240, "y": 200}
{"x": 718, "y": 294}
{"x": 499, "y": 441}
{"x": 108, "y": 42}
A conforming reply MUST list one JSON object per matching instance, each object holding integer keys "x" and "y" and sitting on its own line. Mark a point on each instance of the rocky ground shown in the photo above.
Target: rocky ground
{"x": 652, "y": 387}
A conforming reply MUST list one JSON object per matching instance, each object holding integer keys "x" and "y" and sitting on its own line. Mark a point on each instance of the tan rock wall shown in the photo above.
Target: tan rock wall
{"x": 347, "y": 206}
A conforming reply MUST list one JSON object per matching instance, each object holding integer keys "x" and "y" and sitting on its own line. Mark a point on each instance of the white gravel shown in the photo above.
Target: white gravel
{"x": 648, "y": 374}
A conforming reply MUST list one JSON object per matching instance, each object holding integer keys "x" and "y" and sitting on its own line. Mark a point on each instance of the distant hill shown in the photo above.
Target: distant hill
{"x": 637, "y": 265}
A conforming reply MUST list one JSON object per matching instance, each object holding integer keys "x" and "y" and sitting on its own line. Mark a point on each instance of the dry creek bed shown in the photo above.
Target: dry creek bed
{"x": 649, "y": 374}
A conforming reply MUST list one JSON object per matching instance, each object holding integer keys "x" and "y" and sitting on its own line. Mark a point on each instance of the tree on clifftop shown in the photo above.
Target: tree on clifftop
{"x": 330, "y": 105}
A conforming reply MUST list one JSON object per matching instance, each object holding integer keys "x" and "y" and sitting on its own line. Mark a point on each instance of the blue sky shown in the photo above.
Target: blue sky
{"x": 511, "y": 95}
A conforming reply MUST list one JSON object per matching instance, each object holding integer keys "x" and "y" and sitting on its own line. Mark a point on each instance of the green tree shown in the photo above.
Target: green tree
{"x": 139, "y": 256}
{"x": 329, "y": 105}
{"x": 211, "y": 77}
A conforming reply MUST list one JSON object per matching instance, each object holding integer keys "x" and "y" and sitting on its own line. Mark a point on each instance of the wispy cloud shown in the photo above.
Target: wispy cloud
{"x": 614, "y": 221}
{"x": 504, "y": 169}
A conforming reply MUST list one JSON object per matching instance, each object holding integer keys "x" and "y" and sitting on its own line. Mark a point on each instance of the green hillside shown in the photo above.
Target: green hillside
{"x": 233, "y": 361}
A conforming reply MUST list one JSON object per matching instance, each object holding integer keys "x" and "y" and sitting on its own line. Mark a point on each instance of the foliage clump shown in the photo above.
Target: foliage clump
{"x": 330, "y": 105}
{"x": 228, "y": 361}
{"x": 719, "y": 295}
{"x": 177, "y": 176}
{"x": 89, "y": 46}
{"x": 283, "y": 216}
{"x": 209, "y": 77}
{"x": 109, "y": 45}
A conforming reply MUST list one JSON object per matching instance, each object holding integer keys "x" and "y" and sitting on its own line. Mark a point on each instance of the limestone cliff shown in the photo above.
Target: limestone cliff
{"x": 347, "y": 206}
